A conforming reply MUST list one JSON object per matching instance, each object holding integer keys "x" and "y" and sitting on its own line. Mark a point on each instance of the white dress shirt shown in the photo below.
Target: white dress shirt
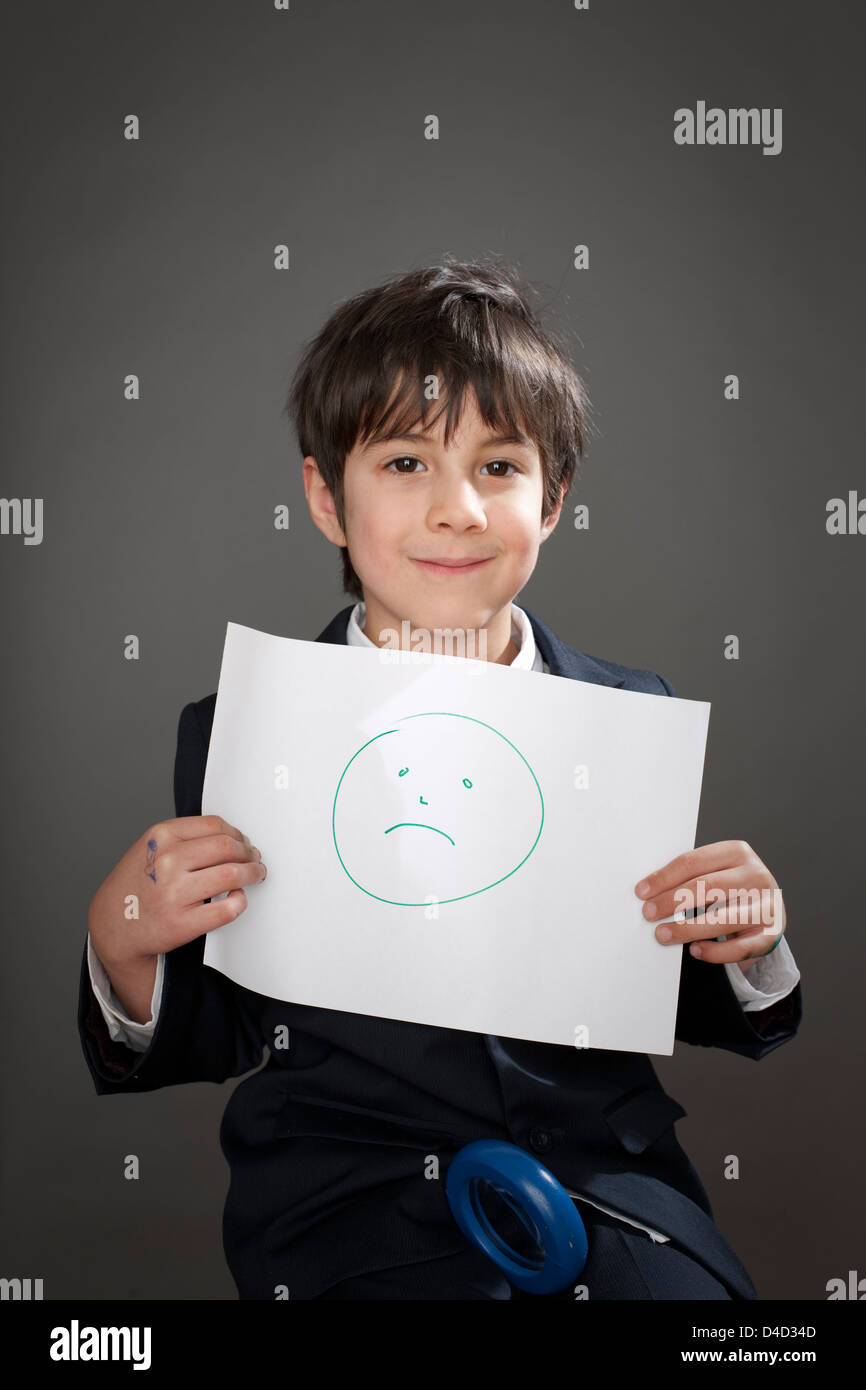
{"x": 770, "y": 978}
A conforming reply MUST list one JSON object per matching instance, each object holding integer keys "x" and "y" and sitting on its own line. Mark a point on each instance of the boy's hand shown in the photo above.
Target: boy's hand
{"x": 154, "y": 898}
{"x": 729, "y": 888}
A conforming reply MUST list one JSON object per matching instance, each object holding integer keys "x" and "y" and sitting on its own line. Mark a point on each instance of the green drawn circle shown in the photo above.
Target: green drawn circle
{"x": 448, "y": 714}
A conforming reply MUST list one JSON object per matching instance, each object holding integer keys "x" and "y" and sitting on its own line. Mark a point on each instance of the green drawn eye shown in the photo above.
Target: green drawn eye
{"x": 466, "y": 782}
{"x": 402, "y": 771}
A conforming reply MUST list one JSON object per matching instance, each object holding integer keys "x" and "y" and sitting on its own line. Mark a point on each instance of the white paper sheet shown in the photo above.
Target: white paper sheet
{"x": 434, "y": 852}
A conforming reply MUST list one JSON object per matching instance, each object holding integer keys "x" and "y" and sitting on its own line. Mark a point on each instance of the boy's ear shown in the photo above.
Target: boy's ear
{"x": 551, "y": 521}
{"x": 321, "y": 503}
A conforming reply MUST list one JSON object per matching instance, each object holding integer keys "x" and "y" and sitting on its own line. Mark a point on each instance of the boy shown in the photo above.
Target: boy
{"x": 441, "y": 429}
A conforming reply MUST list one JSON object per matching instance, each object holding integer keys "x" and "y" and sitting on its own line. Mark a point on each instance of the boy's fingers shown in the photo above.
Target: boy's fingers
{"x": 706, "y": 859}
{"x": 192, "y": 827}
{"x": 731, "y": 950}
{"x": 208, "y": 883}
{"x": 703, "y": 893}
{"x": 210, "y": 851}
{"x": 700, "y": 930}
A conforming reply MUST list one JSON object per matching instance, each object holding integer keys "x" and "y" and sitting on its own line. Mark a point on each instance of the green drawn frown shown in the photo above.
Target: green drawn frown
{"x": 437, "y": 808}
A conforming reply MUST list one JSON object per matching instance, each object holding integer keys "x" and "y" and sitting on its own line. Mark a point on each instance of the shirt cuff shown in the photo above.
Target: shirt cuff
{"x": 121, "y": 1027}
{"x": 771, "y": 978}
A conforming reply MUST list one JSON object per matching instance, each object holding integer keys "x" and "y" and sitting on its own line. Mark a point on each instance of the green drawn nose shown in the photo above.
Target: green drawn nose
{"x": 423, "y": 802}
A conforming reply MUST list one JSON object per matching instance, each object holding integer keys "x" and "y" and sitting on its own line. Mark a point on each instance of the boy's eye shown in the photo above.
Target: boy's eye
{"x": 409, "y": 458}
{"x": 406, "y": 458}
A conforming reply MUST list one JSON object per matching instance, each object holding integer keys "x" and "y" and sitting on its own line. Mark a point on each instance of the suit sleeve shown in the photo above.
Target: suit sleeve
{"x": 709, "y": 1014}
{"x": 207, "y": 1027}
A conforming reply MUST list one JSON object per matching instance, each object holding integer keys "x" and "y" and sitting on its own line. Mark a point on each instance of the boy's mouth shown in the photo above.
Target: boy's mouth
{"x": 452, "y": 567}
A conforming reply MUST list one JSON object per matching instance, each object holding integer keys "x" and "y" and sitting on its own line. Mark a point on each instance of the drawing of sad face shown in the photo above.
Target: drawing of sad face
{"x": 436, "y": 808}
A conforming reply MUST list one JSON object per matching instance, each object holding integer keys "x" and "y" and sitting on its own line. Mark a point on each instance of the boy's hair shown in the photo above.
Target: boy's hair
{"x": 469, "y": 323}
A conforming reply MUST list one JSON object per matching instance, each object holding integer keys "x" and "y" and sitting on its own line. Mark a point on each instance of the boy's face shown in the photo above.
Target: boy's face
{"x": 410, "y": 502}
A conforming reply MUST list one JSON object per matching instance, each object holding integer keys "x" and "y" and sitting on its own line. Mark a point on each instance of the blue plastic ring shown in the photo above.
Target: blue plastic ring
{"x": 536, "y": 1197}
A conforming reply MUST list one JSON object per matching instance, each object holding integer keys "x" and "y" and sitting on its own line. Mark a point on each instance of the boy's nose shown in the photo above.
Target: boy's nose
{"x": 423, "y": 802}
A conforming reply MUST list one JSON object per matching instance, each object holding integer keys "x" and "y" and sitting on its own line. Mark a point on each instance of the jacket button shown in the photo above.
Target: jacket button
{"x": 540, "y": 1140}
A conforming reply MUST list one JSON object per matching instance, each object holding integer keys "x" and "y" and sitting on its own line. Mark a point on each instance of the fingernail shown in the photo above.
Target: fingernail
{"x": 649, "y": 909}
{"x": 663, "y": 933}
{"x": 642, "y": 888}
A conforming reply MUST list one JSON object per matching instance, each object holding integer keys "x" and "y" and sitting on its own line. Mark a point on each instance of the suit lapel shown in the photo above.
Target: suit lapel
{"x": 565, "y": 661}
{"x": 336, "y": 630}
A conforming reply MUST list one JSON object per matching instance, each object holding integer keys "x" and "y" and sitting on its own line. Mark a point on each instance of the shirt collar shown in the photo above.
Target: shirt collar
{"x": 528, "y": 656}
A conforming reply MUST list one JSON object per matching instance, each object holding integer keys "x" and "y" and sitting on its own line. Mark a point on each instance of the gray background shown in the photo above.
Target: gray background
{"x": 707, "y": 517}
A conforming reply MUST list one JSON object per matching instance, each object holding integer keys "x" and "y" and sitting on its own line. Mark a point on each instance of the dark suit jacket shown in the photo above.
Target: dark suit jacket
{"x": 330, "y": 1142}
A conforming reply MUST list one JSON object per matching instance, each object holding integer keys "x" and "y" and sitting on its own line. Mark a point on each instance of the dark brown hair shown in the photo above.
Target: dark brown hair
{"x": 468, "y": 322}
